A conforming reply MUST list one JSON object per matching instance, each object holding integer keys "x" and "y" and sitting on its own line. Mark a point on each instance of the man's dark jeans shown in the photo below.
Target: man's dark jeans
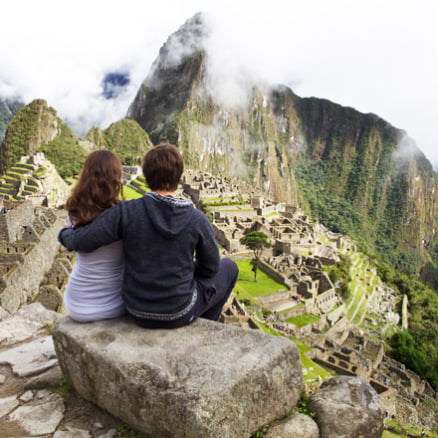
{"x": 212, "y": 295}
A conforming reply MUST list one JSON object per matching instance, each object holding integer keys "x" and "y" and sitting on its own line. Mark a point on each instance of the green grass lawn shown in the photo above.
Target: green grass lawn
{"x": 250, "y": 289}
{"x": 388, "y": 434}
{"x": 363, "y": 283}
{"x": 269, "y": 330}
{"x": 218, "y": 198}
{"x": 313, "y": 369}
{"x": 356, "y": 292}
{"x": 142, "y": 183}
{"x": 302, "y": 347}
{"x": 16, "y": 175}
{"x": 302, "y": 320}
{"x": 324, "y": 239}
{"x": 403, "y": 431}
{"x": 129, "y": 193}
{"x": 71, "y": 180}
{"x": 360, "y": 312}
{"x": 213, "y": 198}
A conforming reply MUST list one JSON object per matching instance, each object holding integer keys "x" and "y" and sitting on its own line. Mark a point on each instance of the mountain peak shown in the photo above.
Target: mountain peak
{"x": 178, "y": 70}
{"x": 185, "y": 43}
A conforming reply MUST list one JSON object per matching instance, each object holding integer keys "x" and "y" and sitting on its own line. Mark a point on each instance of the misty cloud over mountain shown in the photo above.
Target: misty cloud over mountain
{"x": 373, "y": 56}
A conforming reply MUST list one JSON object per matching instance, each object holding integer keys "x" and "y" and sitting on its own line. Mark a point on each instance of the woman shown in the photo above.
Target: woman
{"x": 94, "y": 289}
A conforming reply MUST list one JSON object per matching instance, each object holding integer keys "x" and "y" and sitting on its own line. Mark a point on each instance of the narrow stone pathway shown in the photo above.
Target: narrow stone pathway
{"x": 35, "y": 400}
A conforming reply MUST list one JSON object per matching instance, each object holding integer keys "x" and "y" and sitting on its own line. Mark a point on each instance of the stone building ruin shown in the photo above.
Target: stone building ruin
{"x": 27, "y": 250}
{"x": 36, "y": 179}
{"x": 33, "y": 267}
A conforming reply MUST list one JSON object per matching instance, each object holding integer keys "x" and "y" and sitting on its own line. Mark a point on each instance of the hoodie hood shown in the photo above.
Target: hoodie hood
{"x": 169, "y": 216}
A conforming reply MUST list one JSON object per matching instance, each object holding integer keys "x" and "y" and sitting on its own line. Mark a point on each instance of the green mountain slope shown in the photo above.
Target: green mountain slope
{"x": 367, "y": 179}
{"x": 125, "y": 138}
{"x": 355, "y": 172}
{"x": 36, "y": 128}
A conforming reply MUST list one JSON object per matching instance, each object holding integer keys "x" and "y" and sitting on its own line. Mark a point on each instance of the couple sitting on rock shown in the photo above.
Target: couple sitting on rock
{"x": 154, "y": 258}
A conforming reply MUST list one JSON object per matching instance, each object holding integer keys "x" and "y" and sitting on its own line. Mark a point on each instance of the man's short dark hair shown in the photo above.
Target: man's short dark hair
{"x": 162, "y": 167}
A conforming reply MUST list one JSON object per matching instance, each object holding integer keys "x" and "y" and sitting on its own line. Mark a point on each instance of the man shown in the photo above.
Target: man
{"x": 173, "y": 271}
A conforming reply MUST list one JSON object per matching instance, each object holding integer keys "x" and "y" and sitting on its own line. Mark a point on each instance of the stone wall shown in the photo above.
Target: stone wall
{"x": 8, "y": 248}
{"x": 335, "y": 367}
{"x": 7, "y": 266}
{"x": 22, "y": 284}
{"x": 274, "y": 274}
{"x": 323, "y": 302}
{"x": 55, "y": 280}
{"x": 222, "y": 236}
{"x": 294, "y": 311}
{"x": 4, "y": 235}
{"x": 235, "y": 210}
{"x": 274, "y": 297}
{"x": 336, "y": 314}
{"x": 11, "y": 223}
{"x": 268, "y": 210}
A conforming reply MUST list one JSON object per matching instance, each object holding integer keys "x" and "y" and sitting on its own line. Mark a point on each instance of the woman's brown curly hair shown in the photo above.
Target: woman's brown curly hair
{"x": 98, "y": 188}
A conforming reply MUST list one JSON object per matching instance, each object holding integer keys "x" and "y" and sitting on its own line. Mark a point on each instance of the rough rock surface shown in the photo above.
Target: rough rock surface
{"x": 298, "y": 425}
{"x": 348, "y": 407}
{"x": 203, "y": 380}
{"x": 34, "y": 401}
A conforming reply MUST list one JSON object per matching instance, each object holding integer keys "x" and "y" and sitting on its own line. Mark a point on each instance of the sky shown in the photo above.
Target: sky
{"x": 378, "y": 56}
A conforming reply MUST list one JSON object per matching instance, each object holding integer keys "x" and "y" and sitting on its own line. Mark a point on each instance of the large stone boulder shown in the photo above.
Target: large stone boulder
{"x": 347, "y": 407}
{"x": 298, "y": 425}
{"x": 199, "y": 381}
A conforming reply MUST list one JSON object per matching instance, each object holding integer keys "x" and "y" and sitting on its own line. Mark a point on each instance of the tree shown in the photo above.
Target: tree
{"x": 255, "y": 241}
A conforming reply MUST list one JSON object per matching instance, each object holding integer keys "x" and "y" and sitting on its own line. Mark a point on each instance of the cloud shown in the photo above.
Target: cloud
{"x": 406, "y": 150}
{"x": 375, "y": 56}
{"x": 62, "y": 52}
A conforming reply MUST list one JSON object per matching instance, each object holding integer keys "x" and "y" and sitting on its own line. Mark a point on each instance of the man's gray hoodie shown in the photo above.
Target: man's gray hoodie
{"x": 167, "y": 243}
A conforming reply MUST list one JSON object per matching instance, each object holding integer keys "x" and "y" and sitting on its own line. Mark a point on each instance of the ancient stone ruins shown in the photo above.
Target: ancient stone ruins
{"x": 109, "y": 378}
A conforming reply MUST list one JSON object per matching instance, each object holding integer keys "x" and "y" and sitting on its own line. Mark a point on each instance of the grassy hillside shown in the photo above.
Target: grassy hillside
{"x": 125, "y": 138}
{"x": 36, "y": 128}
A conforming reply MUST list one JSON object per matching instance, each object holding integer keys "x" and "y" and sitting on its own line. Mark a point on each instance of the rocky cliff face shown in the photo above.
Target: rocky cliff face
{"x": 328, "y": 157}
{"x": 173, "y": 104}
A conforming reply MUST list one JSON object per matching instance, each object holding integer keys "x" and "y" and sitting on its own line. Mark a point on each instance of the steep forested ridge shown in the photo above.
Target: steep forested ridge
{"x": 355, "y": 172}
{"x": 366, "y": 178}
{"x": 35, "y": 128}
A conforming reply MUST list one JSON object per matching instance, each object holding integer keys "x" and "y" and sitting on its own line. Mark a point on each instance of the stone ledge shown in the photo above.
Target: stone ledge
{"x": 203, "y": 380}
